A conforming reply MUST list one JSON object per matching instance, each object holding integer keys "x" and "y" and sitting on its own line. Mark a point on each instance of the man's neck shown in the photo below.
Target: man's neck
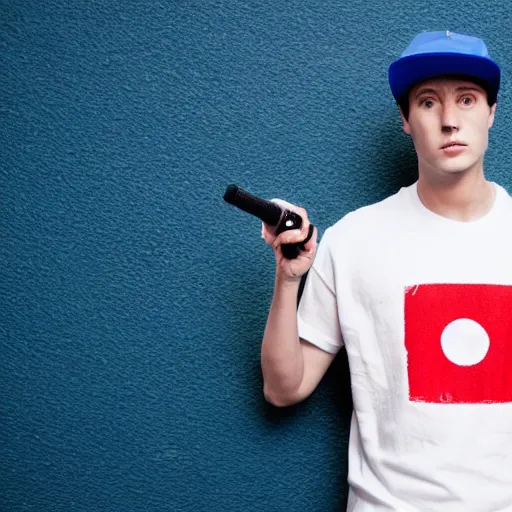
{"x": 463, "y": 197}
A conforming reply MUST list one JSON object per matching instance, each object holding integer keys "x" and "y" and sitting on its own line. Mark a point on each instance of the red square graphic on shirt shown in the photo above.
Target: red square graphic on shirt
{"x": 458, "y": 339}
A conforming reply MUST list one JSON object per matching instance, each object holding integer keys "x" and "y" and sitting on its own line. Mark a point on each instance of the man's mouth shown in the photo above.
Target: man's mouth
{"x": 453, "y": 143}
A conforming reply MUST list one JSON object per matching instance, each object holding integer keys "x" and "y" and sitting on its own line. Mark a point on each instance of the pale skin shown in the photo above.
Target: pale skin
{"x": 451, "y": 183}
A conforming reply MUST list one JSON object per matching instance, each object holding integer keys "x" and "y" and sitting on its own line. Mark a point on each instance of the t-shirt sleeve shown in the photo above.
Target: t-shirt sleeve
{"x": 317, "y": 315}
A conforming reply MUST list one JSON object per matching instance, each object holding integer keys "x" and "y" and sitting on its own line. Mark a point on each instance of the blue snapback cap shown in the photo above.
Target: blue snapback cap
{"x": 432, "y": 54}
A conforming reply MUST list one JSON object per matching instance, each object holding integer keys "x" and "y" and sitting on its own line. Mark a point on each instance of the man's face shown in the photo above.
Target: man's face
{"x": 449, "y": 121}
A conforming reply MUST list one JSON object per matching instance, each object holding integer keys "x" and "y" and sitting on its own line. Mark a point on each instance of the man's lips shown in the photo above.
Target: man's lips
{"x": 453, "y": 143}
{"x": 453, "y": 149}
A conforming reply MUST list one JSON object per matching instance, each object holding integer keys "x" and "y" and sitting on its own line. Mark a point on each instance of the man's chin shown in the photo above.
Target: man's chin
{"x": 454, "y": 170}
{"x": 455, "y": 167}
{"x": 450, "y": 167}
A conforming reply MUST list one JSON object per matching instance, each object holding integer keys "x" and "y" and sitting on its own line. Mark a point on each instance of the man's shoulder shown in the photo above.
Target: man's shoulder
{"x": 374, "y": 216}
{"x": 502, "y": 189}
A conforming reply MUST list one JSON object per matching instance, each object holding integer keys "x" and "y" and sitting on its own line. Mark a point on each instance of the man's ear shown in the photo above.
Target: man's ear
{"x": 491, "y": 115}
{"x": 406, "y": 127}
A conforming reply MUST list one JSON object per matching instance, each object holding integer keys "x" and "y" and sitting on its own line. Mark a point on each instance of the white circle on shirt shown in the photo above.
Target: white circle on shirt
{"x": 465, "y": 342}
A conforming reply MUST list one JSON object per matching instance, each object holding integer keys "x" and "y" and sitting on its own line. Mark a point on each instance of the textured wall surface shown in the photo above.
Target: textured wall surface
{"x": 133, "y": 298}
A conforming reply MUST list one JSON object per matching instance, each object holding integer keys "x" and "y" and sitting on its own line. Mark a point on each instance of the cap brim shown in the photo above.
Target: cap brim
{"x": 413, "y": 69}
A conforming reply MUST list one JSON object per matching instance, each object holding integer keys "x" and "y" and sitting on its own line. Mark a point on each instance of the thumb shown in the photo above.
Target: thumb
{"x": 266, "y": 233}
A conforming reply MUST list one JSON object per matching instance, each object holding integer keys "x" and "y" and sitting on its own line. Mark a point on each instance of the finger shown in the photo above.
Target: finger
{"x": 297, "y": 235}
{"x": 294, "y": 208}
{"x": 288, "y": 237}
{"x": 312, "y": 242}
{"x": 268, "y": 231}
{"x": 305, "y": 225}
{"x": 292, "y": 236}
{"x": 284, "y": 204}
{"x": 267, "y": 234}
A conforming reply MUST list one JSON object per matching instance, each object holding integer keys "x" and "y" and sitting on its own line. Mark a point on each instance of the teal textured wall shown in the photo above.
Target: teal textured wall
{"x": 133, "y": 299}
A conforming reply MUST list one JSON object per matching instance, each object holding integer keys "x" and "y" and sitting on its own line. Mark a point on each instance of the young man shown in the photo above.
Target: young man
{"x": 418, "y": 288}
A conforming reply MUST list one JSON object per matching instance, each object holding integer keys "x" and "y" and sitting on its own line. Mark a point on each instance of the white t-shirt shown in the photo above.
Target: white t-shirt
{"x": 423, "y": 305}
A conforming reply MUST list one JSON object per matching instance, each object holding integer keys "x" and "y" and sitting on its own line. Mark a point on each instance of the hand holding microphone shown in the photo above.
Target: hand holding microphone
{"x": 286, "y": 228}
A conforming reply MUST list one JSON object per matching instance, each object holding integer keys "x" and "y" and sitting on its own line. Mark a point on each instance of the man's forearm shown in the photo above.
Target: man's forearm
{"x": 281, "y": 354}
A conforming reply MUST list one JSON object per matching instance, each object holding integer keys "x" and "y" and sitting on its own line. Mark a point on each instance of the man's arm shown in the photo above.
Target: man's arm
{"x": 292, "y": 367}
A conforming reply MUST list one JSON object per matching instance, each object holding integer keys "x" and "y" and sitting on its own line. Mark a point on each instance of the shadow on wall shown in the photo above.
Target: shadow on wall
{"x": 334, "y": 398}
{"x": 337, "y": 380}
{"x": 392, "y": 157}
{"x": 380, "y": 161}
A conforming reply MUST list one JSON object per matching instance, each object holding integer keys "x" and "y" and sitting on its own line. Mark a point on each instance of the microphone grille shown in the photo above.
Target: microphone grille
{"x": 267, "y": 211}
{"x": 230, "y": 194}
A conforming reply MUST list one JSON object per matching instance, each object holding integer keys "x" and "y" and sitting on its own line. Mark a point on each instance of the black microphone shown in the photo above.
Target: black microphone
{"x": 270, "y": 213}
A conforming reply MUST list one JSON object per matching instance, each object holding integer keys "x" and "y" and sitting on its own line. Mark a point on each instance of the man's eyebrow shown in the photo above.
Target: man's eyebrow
{"x": 469, "y": 88}
{"x": 425, "y": 91}
{"x": 462, "y": 88}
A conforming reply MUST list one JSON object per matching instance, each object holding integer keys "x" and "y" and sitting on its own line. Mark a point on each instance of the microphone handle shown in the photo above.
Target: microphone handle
{"x": 267, "y": 211}
{"x": 271, "y": 214}
{"x": 292, "y": 220}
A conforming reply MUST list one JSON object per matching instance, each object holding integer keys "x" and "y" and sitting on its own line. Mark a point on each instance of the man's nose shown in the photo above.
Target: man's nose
{"x": 450, "y": 121}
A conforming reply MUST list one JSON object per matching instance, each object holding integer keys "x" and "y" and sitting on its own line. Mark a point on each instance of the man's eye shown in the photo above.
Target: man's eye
{"x": 467, "y": 101}
{"x": 428, "y": 103}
